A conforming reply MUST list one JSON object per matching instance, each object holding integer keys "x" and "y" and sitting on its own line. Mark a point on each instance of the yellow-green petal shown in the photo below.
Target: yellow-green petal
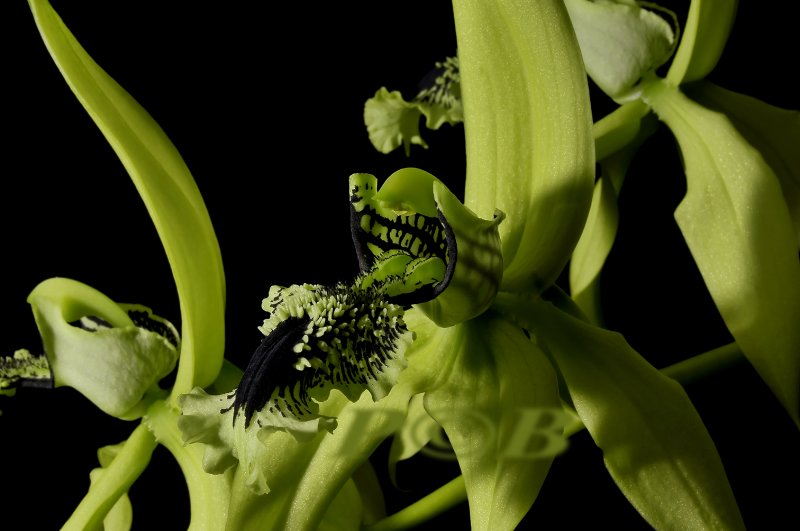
{"x": 168, "y": 191}
{"x": 737, "y": 225}
{"x": 775, "y": 132}
{"x": 497, "y": 389}
{"x": 654, "y": 443}
{"x": 708, "y": 25}
{"x": 527, "y": 120}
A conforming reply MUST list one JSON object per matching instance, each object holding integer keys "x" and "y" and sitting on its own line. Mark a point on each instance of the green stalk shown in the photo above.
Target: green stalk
{"x": 115, "y": 481}
{"x": 434, "y": 504}
{"x": 703, "y": 365}
{"x": 208, "y": 493}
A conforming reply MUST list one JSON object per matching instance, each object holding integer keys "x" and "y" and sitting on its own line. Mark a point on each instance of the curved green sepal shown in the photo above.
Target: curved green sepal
{"x": 97, "y": 347}
{"x": 23, "y": 369}
{"x": 654, "y": 443}
{"x": 737, "y": 226}
{"x": 708, "y": 25}
{"x": 593, "y": 248}
{"x": 620, "y": 41}
{"x": 479, "y": 263}
{"x": 120, "y": 517}
{"x": 773, "y": 131}
{"x": 528, "y": 127}
{"x": 168, "y": 191}
{"x": 600, "y": 230}
{"x": 497, "y": 398}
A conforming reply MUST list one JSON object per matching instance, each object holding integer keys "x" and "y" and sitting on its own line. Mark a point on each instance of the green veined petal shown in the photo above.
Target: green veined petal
{"x": 707, "y": 28}
{"x": 497, "y": 389}
{"x": 169, "y": 193}
{"x": 528, "y": 124}
{"x": 773, "y": 131}
{"x": 654, "y": 443}
{"x": 736, "y": 223}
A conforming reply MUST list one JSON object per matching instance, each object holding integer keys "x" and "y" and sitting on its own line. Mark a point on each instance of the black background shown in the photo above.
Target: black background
{"x": 265, "y": 105}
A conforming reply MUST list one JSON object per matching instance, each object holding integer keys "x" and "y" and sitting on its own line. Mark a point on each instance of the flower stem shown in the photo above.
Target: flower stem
{"x": 705, "y": 364}
{"x": 435, "y": 503}
{"x": 115, "y": 481}
{"x": 208, "y": 493}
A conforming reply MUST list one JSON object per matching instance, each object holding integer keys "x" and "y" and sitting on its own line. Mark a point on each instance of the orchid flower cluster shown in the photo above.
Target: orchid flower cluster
{"x": 455, "y": 321}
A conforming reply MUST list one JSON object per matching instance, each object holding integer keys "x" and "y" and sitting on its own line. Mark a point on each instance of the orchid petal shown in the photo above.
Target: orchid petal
{"x": 708, "y": 25}
{"x": 771, "y": 130}
{"x": 168, "y": 191}
{"x": 496, "y": 377}
{"x": 738, "y": 227}
{"x": 528, "y": 131}
{"x": 654, "y": 443}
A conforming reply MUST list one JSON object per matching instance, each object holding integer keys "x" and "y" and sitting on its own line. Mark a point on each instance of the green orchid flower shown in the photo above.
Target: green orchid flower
{"x": 454, "y": 321}
{"x": 490, "y": 353}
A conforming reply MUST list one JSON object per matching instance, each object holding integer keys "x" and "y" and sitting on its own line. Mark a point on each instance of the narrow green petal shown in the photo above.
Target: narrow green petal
{"x": 620, "y": 41}
{"x": 499, "y": 387}
{"x": 773, "y": 131}
{"x": 707, "y": 28}
{"x": 600, "y": 230}
{"x": 169, "y": 193}
{"x": 592, "y": 249}
{"x": 527, "y": 119}
{"x": 736, "y": 223}
{"x": 95, "y": 346}
{"x": 654, "y": 443}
